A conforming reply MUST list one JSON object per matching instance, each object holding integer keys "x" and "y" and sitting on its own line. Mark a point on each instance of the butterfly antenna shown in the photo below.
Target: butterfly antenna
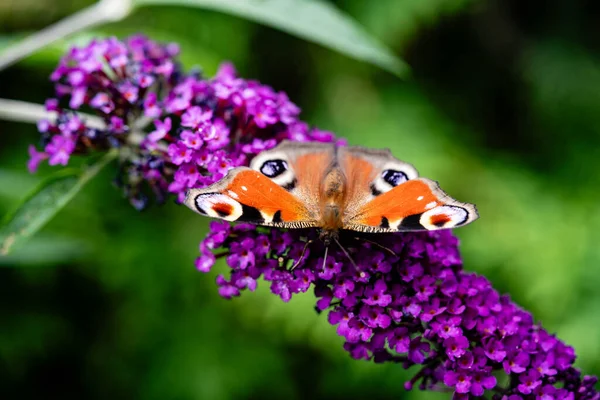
{"x": 346, "y": 253}
{"x": 378, "y": 245}
{"x": 301, "y": 255}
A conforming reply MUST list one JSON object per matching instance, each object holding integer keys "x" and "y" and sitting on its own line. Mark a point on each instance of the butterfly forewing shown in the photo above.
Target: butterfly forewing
{"x": 249, "y": 196}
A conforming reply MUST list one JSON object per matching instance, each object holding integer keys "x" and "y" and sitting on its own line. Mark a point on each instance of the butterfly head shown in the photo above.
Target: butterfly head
{"x": 328, "y": 236}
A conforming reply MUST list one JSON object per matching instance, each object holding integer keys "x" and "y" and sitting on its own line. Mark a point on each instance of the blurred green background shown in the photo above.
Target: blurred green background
{"x": 503, "y": 108}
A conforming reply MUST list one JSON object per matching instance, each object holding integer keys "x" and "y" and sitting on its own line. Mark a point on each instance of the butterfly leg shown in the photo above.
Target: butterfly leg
{"x": 345, "y": 252}
{"x": 387, "y": 249}
{"x": 308, "y": 243}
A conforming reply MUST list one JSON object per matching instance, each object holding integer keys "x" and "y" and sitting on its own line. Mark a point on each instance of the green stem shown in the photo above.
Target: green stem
{"x": 22, "y": 111}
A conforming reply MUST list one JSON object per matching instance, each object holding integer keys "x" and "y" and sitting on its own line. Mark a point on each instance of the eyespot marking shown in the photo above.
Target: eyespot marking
{"x": 223, "y": 209}
{"x": 444, "y": 217}
{"x": 439, "y": 220}
{"x": 290, "y": 186}
{"x": 198, "y": 203}
{"x": 374, "y": 191}
{"x": 218, "y": 205}
{"x": 393, "y": 174}
{"x": 393, "y": 177}
{"x": 273, "y": 168}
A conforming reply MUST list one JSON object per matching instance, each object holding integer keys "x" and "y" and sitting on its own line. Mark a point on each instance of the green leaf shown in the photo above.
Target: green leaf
{"x": 44, "y": 202}
{"x": 313, "y": 20}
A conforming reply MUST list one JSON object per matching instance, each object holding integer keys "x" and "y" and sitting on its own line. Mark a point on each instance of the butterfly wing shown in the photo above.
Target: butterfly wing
{"x": 245, "y": 195}
{"x": 386, "y": 195}
{"x": 279, "y": 189}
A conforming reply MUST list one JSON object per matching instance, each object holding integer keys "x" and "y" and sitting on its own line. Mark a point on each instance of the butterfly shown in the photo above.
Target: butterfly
{"x": 332, "y": 188}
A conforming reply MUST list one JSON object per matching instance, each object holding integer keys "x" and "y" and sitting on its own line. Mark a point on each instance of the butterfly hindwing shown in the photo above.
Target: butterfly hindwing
{"x": 299, "y": 169}
{"x": 249, "y": 196}
{"x": 414, "y": 205}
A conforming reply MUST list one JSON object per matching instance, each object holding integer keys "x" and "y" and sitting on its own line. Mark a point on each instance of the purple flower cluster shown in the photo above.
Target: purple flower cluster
{"x": 113, "y": 79}
{"x": 407, "y": 300}
{"x": 202, "y": 127}
{"x": 117, "y": 81}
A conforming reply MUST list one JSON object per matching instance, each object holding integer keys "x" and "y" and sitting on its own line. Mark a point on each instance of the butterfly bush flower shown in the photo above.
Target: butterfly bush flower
{"x": 404, "y": 298}
{"x": 117, "y": 81}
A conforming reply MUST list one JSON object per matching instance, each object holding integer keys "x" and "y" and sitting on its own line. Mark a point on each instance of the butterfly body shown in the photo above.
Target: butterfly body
{"x": 332, "y": 188}
{"x": 333, "y": 195}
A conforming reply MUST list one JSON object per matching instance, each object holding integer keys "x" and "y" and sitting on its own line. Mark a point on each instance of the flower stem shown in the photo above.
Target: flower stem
{"x": 221, "y": 255}
{"x": 22, "y": 111}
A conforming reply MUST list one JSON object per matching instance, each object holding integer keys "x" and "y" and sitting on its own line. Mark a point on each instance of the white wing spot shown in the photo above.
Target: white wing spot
{"x": 430, "y": 205}
{"x": 232, "y": 194}
{"x": 420, "y": 198}
{"x": 244, "y": 188}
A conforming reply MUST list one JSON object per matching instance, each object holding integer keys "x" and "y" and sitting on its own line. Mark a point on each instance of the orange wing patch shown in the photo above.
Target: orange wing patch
{"x": 418, "y": 204}
{"x": 247, "y": 195}
{"x": 309, "y": 170}
{"x": 259, "y": 192}
{"x": 409, "y": 198}
{"x": 360, "y": 174}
